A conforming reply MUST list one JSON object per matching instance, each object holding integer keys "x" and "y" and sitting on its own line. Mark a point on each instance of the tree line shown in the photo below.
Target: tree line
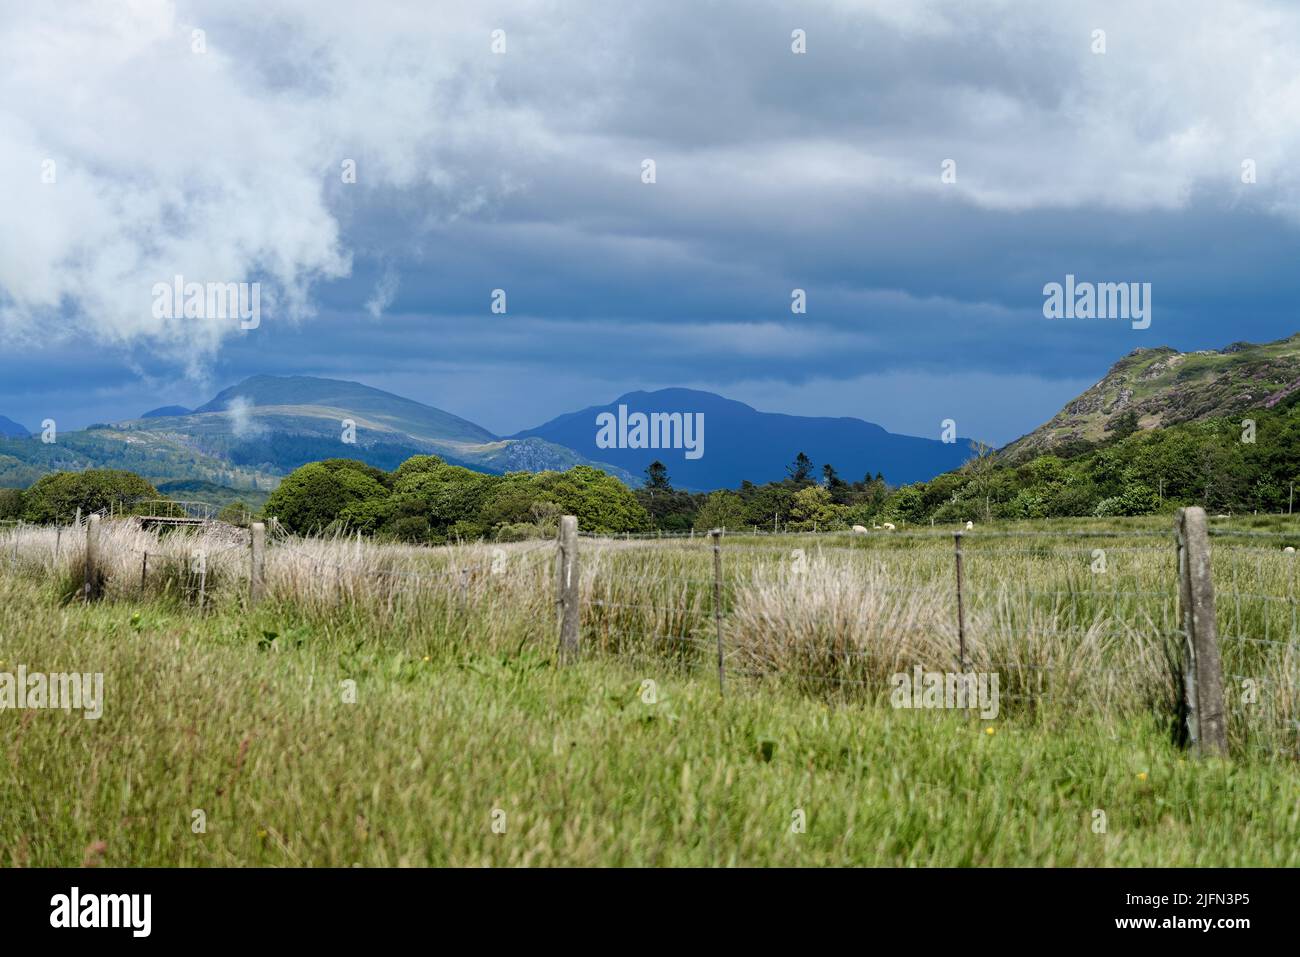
{"x": 1225, "y": 465}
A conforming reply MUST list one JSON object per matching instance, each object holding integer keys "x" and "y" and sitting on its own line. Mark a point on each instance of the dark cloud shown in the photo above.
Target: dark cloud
{"x": 775, "y": 171}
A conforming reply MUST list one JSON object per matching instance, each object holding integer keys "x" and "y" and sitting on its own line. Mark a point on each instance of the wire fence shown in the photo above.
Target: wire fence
{"x": 123, "y": 558}
{"x": 1064, "y": 619}
{"x": 1079, "y": 618}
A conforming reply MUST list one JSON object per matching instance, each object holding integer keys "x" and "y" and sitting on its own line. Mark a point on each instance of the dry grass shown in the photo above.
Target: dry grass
{"x": 831, "y": 614}
{"x": 460, "y": 711}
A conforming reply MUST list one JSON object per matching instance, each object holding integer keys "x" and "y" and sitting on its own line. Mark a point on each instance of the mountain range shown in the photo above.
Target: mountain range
{"x": 252, "y": 434}
{"x": 740, "y": 443}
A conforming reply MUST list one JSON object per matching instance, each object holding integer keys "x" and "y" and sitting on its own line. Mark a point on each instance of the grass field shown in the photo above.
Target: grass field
{"x": 363, "y": 716}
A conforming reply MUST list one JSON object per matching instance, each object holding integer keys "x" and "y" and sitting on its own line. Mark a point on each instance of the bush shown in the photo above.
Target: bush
{"x": 427, "y": 500}
{"x": 813, "y": 508}
{"x": 465, "y": 532}
{"x": 236, "y": 513}
{"x": 1135, "y": 500}
{"x": 313, "y": 497}
{"x": 448, "y": 497}
{"x": 722, "y": 509}
{"x": 11, "y": 503}
{"x": 1027, "y": 504}
{"x": 601, "y": 502}
{"x": 57, "y": 497}
{"x": 519, "y": 532}
{"x": 408, "y": 528}
{"x": 1109, "y": 507}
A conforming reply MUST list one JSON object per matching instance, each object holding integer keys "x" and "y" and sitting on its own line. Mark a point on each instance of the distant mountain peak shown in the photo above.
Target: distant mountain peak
{"x": 264, "y": 426}
{"x": 11, "y": 429}
{"x": 349, "y": 398}
{"x": 741, "y": 443}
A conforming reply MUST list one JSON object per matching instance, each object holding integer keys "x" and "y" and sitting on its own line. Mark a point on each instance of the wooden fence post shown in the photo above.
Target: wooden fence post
{"x": 203, "y": 582}
{"x": 257, "y": 563}
{"x": 1203, "y": 673}
{"x": 567, "y": 589}
{"x": 91, "y": 588}
{"x": 961, "y": 609}
{"x": 716, "y": 535}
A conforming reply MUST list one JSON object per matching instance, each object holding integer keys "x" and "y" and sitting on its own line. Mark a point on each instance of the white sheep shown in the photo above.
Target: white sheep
{"x": 889, "y": 526}
{"x": 970, "y": 526}
{"x": 859, "y": 530}
{"x": 1289, "y": 550}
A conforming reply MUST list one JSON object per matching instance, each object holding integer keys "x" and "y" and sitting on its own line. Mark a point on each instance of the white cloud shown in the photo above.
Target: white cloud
{"x": 225, "y": 165}
{"x": 222, "y": 165}
{"x": 384, "y": 294}
{"x": 243, "y": 425}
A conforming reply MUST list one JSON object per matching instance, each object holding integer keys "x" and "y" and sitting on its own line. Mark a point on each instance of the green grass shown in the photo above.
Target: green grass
{"x": 461, "y": 712}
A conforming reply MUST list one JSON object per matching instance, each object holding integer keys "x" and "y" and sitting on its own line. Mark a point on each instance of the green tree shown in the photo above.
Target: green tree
{"x": 907, "y": 503}
{"x": 236, "y": 513}
{"x": 722, "y": 509}
{"x": 311, "y": 498}
{"x": 813, "y": 507}
{"x": 800, "y": 470}
{"x": 656, "y": 477}
{"x": 446, "y": 496}
{"x": 1125, "y": 424}
{"x": 511, "y": 500}
{"x": 601, "y": 502}
{"x": 58, "y": 496}
{"x": 668, "y": 508}
{"x": 11, "y": 503}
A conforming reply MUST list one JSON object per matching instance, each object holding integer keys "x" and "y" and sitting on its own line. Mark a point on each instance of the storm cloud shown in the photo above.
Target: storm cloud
{"x": 521, "y": 170}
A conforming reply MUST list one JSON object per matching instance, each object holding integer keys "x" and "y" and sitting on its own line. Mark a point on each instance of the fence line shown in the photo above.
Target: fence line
{"x": 1167, "y": 605}
{"x": 825, "y": 617}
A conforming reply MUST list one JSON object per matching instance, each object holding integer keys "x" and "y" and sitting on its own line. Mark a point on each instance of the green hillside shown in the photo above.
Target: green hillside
{"x": 381, "y": 410}
{"x": 253, "y": 434}
{"x": 157, "y": 456}
{"x": 1162, "y": 429}
{"x": 1161, "y": 387}
{"x": 217, "y": 495}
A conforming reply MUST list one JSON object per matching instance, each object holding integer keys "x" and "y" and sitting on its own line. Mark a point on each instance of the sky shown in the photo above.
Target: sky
{"x": 922, "y": 170}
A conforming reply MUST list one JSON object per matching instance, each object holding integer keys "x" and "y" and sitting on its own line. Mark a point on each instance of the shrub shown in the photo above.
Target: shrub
{"x": 236, "y": 513}
{"x": 314, "y": 496}
{"x": 601, "y": 502}
{"x": 519, "y": 532}
{"x": 57, "y": 497}
{"x": 408, "y": 528}
{"x": 722, "y": 509}
{"x": 11, "y": 503}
